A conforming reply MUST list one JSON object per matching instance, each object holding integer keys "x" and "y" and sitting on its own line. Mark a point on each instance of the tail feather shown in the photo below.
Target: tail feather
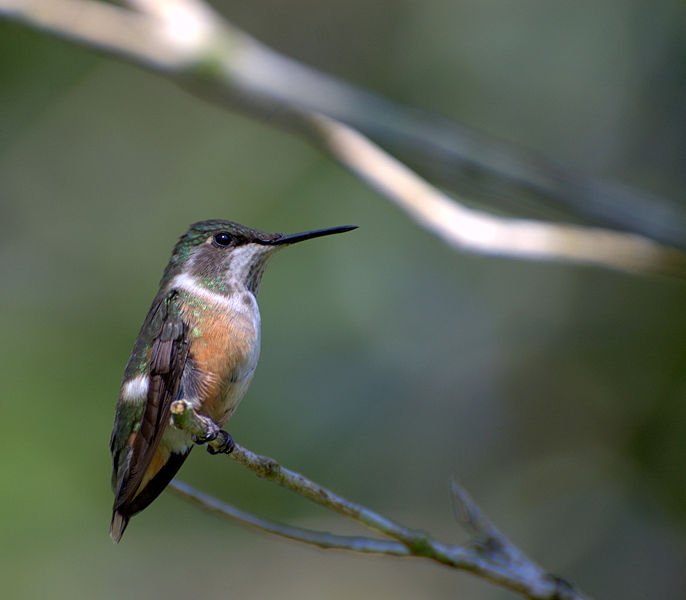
{"x": 118, "y": 525}
{"x": 123, "y": 511}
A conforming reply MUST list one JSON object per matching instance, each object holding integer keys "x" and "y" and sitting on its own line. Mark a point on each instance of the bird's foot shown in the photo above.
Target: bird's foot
{"x": 224, "y": 445}
{"x": 211, "y": 432}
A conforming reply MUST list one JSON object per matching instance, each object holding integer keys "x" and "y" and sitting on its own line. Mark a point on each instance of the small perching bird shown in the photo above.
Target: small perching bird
{"x": 200, "y": 342}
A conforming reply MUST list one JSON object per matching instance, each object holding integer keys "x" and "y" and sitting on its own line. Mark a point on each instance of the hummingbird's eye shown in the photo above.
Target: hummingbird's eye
{"x": 223, "y": 238}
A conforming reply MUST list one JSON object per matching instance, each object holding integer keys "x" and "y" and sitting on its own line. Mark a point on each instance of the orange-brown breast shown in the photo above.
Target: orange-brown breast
{"x": 223, "y": 346}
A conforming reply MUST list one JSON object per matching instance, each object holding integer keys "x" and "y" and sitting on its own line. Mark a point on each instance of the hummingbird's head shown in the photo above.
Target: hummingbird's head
{"x": 222, "y": 253}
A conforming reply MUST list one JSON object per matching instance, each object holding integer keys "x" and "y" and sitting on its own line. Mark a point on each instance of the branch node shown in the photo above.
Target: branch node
{"x": 563, "y": 589}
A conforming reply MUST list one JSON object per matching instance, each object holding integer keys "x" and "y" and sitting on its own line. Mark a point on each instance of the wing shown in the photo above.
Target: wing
{"x": 135, "y": 440}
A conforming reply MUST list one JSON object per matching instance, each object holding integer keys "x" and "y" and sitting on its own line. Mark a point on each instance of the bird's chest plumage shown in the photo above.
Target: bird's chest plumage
{"x": 224, "y": 349}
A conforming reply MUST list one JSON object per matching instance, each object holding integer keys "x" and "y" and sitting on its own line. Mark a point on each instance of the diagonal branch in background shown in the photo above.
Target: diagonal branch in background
{"x": 465, "y": 161}
{"x": 474, "y": 231}
{"x": 187, "y": 41}
{"x": 490, "y": 555}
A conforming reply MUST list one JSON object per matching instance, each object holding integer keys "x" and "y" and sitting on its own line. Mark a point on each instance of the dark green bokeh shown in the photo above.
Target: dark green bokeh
{"x": 389, "y": 363}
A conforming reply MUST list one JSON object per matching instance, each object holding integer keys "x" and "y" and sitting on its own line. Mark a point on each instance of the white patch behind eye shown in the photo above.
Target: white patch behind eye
{"x": 136, "y": 389}
{"x": 244, "y": 257}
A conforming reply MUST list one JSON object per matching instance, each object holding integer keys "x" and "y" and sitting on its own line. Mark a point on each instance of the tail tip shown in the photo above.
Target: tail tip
{"x": 118, "y": 525}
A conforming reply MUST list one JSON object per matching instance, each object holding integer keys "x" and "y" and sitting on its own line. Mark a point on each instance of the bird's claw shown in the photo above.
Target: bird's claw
{"x": 211, "y": 432}
{"x": 224, "y": 446}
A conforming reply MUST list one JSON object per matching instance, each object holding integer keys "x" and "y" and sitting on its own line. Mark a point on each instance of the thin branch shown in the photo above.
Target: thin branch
{"x": 484, "y": 533}
{"x": 189, "y": 42}
{"x": 316, "y": 538}
{"x": 499, "y": 563}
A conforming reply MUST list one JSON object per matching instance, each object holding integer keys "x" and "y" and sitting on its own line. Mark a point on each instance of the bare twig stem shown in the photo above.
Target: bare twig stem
{"x": 316, "y": 538}
{"x": 491, "y": 555}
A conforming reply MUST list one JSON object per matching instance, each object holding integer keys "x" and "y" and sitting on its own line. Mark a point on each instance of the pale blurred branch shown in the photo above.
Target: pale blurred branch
{"x": 114, "y": 30}
{"x": 462, "y": 160}
{"x": 189, "y": 42}
{"x": 489, "y": 555}
{"x": 475, "y": 231}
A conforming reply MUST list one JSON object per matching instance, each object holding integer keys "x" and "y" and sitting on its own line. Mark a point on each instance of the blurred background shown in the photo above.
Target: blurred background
{"x": 390, "y": 363}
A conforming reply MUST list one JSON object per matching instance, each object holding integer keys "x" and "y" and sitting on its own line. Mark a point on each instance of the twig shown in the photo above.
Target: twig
{"x": 500, "y": 562}
{"x": 189, "y": 42}
{"x": 484, "y": 533}
{"x": 315, "y": 538}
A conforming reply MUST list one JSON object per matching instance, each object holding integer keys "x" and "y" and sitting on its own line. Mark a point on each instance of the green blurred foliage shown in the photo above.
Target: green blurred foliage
{"x": 390, "y": 363}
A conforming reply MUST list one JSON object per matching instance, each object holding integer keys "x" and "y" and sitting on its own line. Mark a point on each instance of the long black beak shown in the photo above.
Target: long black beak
{"x": 308, "y": 235}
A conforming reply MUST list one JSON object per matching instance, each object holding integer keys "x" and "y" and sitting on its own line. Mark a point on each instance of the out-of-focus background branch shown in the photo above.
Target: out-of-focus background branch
{"x": 190, "y": 42}
{"x": 550, "y": 390}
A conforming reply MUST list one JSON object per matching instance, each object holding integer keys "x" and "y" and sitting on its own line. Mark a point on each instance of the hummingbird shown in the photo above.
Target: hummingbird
{"x": 200, "y": 342}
